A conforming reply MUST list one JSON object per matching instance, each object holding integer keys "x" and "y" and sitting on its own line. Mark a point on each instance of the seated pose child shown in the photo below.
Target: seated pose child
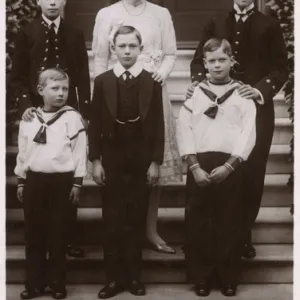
{"x": 216, "y": 133}
{"x": 50, "y": 167}
{"x": 126, "y": 146}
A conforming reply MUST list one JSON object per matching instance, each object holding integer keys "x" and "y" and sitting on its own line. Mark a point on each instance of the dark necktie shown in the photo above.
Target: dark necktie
{"x": 212, "y": 110}
{"x": 127, "y": 78}
{"x": 51, "y": 51}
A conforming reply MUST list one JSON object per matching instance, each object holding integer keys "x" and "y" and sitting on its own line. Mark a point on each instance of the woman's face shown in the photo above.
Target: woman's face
{"x": 243, "y": 3}
{"x": 134, "y": 2}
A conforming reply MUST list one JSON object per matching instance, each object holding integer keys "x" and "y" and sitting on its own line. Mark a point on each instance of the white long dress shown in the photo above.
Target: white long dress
{"x": 159, "y": 53}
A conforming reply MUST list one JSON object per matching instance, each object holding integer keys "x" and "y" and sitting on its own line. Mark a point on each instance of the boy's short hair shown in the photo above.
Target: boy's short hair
{"x": 216, "y": 43}
{"x": 127, "y": 30}
{"x": 52, "y": 74}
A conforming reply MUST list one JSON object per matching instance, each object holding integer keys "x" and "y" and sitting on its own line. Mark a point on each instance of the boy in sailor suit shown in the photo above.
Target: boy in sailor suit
{"x": 51, "y": 42}
{"x": 261, "y": 64}
{"x": 126, "y": 146}
{"x": 50, "y": 167}
{"x": 216, "y": 133}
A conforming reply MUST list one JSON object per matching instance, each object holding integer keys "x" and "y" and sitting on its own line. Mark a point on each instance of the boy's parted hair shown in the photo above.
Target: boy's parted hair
{"x": 216, "y": 43}
{"x": 52, "y": 74}
{"x": 127, "y": 30}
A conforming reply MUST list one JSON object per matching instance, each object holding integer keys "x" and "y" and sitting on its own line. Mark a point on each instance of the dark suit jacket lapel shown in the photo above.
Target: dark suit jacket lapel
{"x": 111, "y": 93}
{"x": 39, "y": 34}
{"x": 229, "y": 23}
{"x": 256, "y": 26}
{"x": 145, "y": 94}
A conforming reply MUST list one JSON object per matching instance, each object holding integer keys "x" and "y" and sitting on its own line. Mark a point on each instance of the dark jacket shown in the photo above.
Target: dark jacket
{"x": 264, "y": 54}
{"x": 30, "y": 49}
{"x": 104, "y": 113}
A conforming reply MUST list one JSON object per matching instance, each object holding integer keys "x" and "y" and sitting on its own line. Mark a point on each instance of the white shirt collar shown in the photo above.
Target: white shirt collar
{"x": 49, "y": 22}
{"x": 135, "y": 70}
{"x": 246, "y": 9}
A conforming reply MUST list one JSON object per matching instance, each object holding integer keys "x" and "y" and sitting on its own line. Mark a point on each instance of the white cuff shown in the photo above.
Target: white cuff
{"x": 260, "y": 101}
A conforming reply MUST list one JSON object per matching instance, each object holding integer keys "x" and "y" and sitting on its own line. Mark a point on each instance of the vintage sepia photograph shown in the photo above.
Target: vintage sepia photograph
{"x": 149, "y": 149}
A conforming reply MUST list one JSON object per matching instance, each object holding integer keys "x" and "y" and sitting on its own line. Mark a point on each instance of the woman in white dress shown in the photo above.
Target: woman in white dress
{"x": 158, "y": 57}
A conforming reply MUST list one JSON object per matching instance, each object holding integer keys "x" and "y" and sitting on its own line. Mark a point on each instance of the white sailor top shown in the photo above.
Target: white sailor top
{"x": 217, "y": 119}
{"x": 53, "y": 143}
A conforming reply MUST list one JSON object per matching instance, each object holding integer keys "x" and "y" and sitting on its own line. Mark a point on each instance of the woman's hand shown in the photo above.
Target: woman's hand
{"x": 157, "y": 76}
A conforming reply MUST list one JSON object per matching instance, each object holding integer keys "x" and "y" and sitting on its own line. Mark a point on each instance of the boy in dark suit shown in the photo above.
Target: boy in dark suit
{"x": 50, "y": 42}
{"x": 126, "y": 144}
{"x": 261, "y": 64}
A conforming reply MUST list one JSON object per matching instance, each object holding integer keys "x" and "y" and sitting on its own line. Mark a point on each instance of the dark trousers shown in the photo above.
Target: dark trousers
{"x": 46, "y": 207}
{"x": 125, "y": 203}
{"x": 213, "y": 224}
{"x": 254, "y": 169}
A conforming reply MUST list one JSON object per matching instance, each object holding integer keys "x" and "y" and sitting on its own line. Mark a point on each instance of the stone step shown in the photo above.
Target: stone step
{"x": 171, "y": 292}
{"x": 278, "y": 163}
{"x": 273, "y": 264}
{"x": 276, "y": 193}
{"x": 273, "y": 225}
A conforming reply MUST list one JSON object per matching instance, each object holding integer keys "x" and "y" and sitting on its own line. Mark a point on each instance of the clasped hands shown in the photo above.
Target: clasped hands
{"x": 217, "y": 175}
{"x": 100, "y": 178}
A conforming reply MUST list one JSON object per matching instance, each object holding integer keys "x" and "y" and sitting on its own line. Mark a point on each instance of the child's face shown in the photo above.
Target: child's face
{"x": 218, "y": 65}
{"x": 54, "y": 93}
{"x": 51, "y": 8}
{"x": 243, "y": 3}
{"x": 127, "y": 48}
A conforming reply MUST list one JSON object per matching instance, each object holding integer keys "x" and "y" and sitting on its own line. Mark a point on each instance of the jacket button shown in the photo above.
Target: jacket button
{"x": 268, "y": 81}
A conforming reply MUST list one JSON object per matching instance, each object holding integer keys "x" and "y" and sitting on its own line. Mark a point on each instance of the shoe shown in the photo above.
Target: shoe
{"x": 74, "y": 251}
{"x": 31, "y": 293}
{"x": 110, "y": 290}
{"x": 229, "y": 290}
{"x": 162, "y": 248}
{"x": 137, "y": 288}
{"x": 249, "y": 251}
{"x": 202, "y": 289}
{"x": 60, "y": 293}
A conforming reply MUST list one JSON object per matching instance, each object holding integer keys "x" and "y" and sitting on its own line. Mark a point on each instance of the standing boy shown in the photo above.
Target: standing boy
{"x": 50, "y": 42}
{"x": 216, "y": 133}
{"x": 261, "y": 64}
{"x": 126, "y": 136}
{"x": 50, "y": 167}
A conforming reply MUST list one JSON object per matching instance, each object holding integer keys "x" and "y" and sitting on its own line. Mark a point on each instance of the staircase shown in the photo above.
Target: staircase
{"x": 268, "y": 276}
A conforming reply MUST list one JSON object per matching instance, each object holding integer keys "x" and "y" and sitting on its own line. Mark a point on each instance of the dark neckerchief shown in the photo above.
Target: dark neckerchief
{"x": 41, "y": 137}
{"x": 213, "y": 109}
